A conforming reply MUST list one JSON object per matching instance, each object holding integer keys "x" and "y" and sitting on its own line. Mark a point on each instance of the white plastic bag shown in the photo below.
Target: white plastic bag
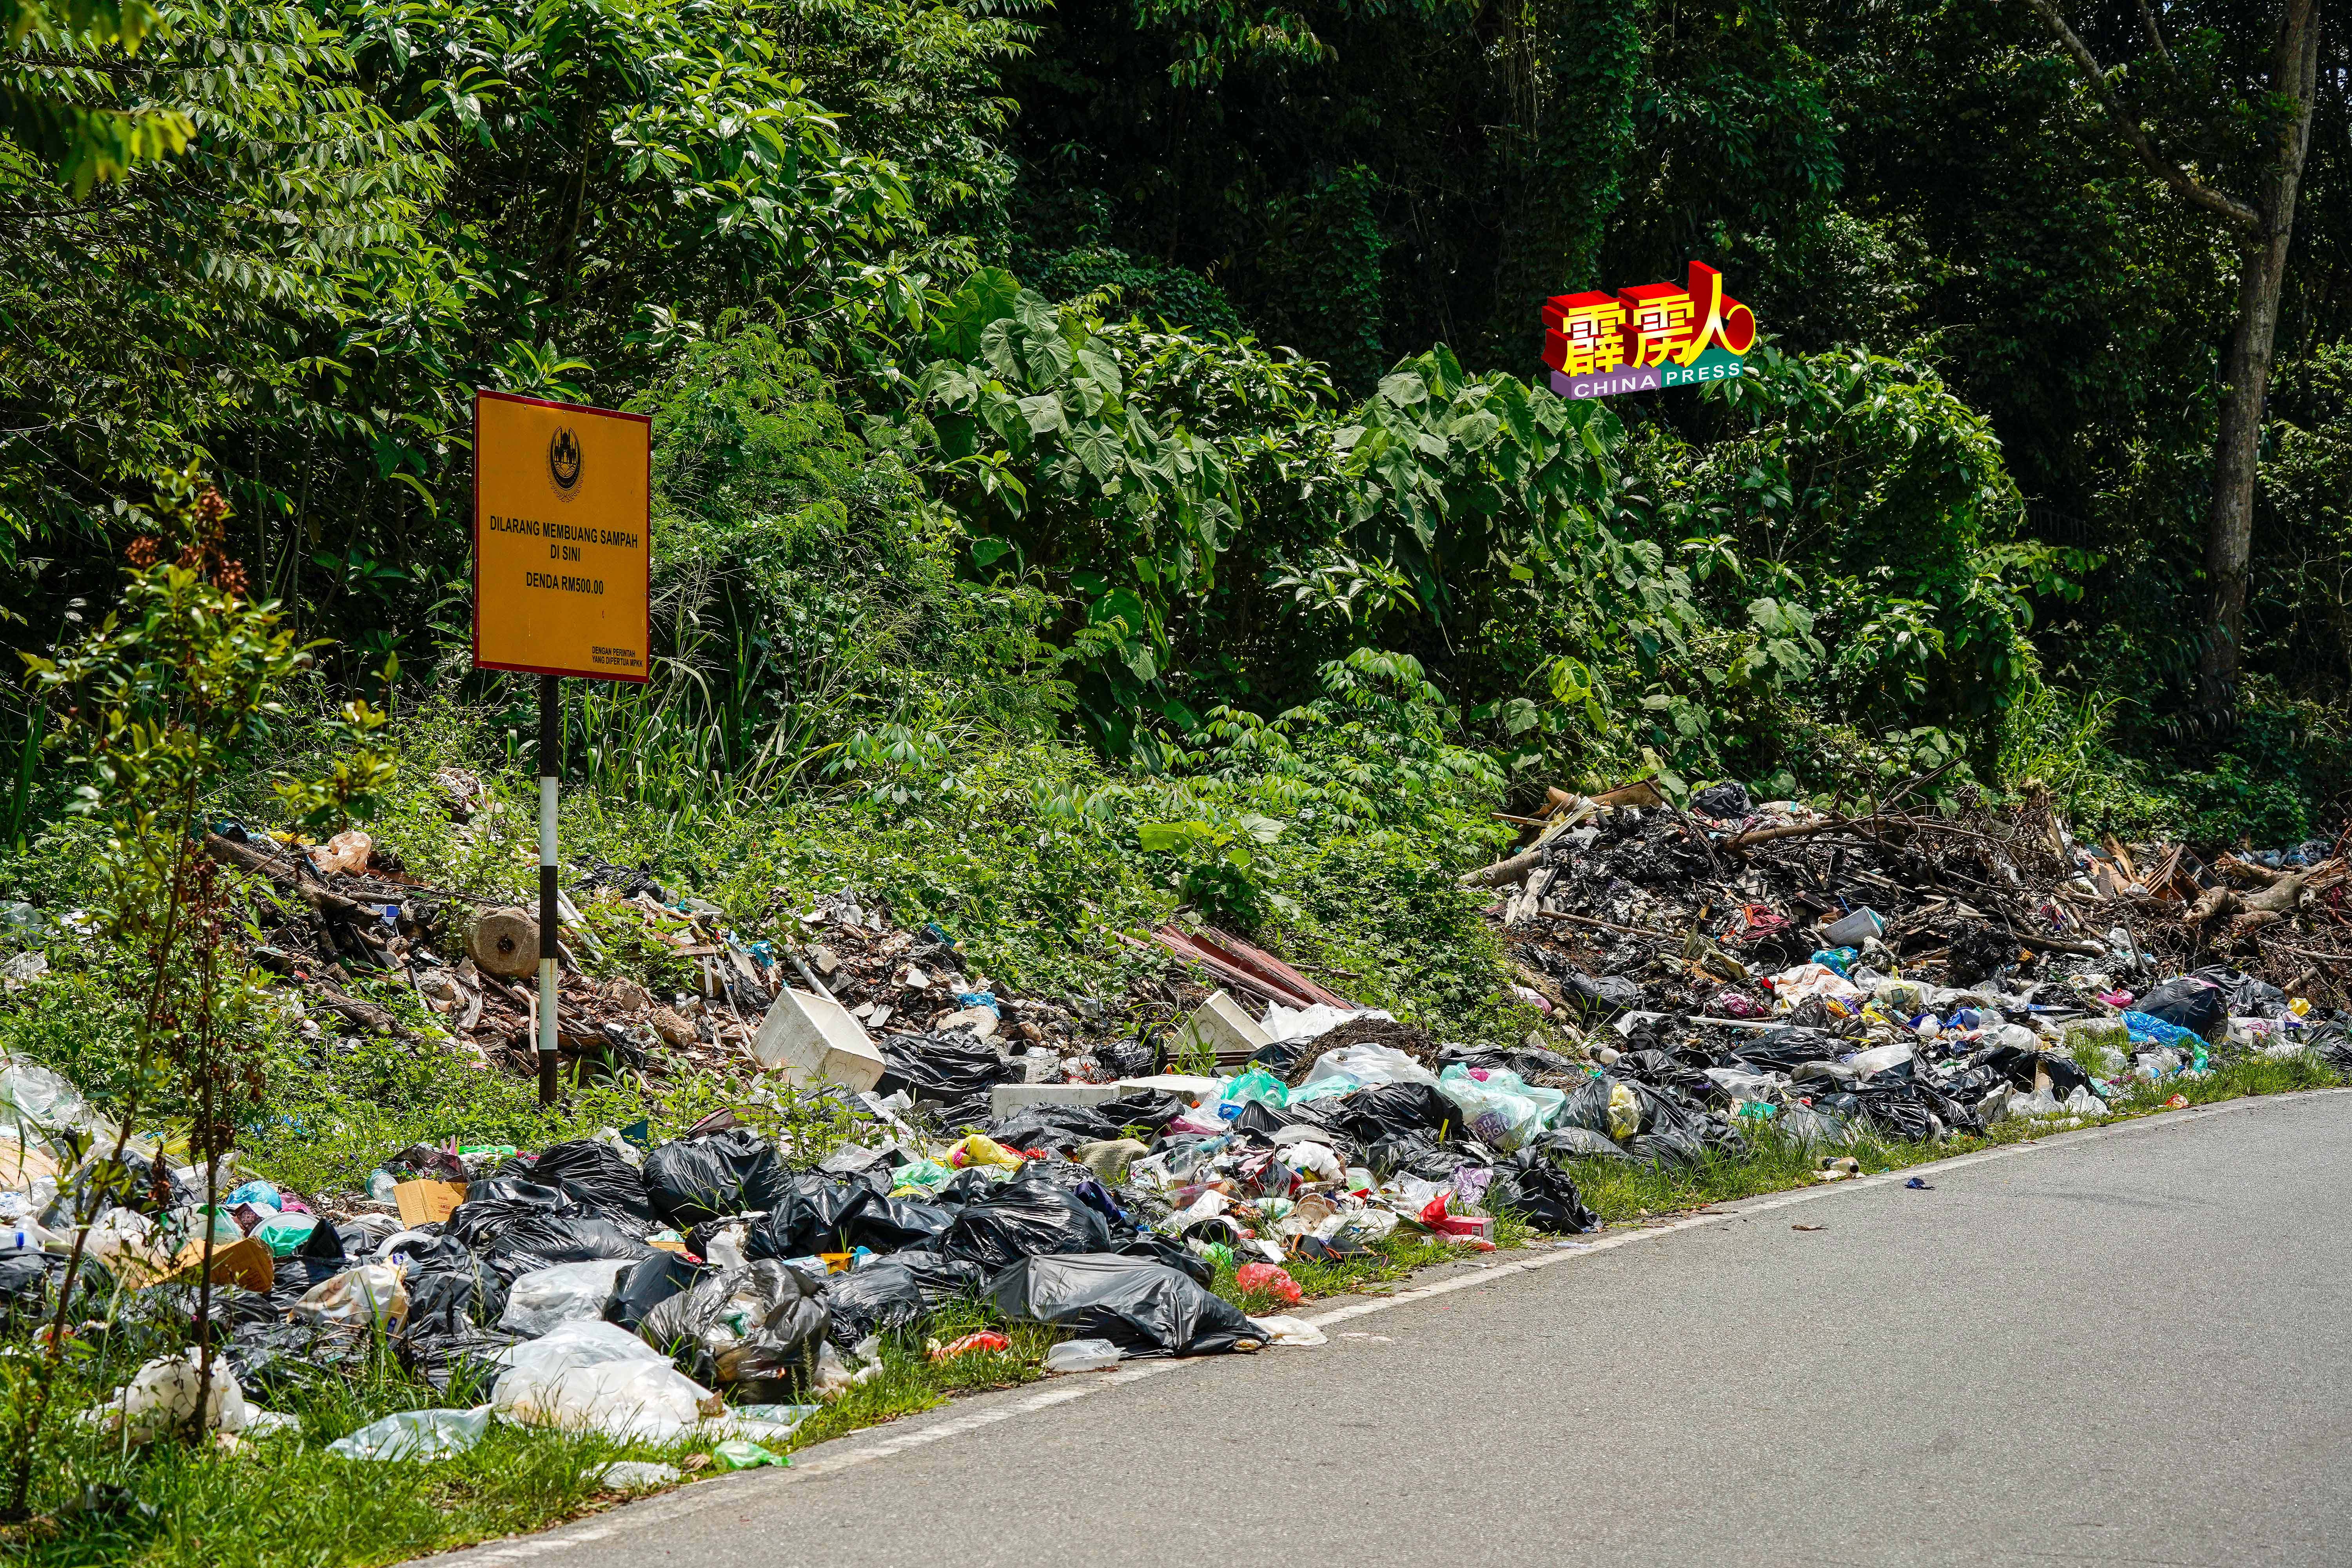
{"x": 2083, "y": 1102}
{"x": 1289, "y": 1332}
{"x": 1879, "y": 1058}
{"x": 1369, "y": 1064}
{"x": 546, "y": 1297}
{"x": 636, "y": 1476}
{"x": 580, "y": 1342}
{"x": 415, "y": 1435}
{"x": 161, "y": 1399}
{"x": 32, "y": 1096}
{"x": 371, "y": 1294}
{"x": 1282, "y": 1022}
{"x": 834, "y": 1375}
{"x": 583, "y": 1380}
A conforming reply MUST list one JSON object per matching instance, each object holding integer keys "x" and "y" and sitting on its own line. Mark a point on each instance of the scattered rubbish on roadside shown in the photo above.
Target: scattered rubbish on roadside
{"x": 1708, "y": 978}
{"x": 637, "y": 1475}
{"x": 1737, "y": 966}
{"x": 1083, "y": 1355}
{"x": 415, "y": 1435}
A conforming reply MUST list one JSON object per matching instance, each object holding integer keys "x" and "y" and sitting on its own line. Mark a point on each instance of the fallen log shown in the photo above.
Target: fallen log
{"x": 248, "y": 859}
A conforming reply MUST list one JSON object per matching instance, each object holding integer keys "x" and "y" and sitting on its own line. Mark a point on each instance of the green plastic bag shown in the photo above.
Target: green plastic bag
{"x": 286, "y": 1234}
{"x": 1256, "y": 1085}
{"x": 736, "y": 1454}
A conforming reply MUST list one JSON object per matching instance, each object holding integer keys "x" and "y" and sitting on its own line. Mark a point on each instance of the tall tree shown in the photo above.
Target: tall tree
{"x": 2202, "y": 118}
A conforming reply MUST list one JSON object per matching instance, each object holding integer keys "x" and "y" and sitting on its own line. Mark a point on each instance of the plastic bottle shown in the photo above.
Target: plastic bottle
{"x": 1082, "y": 1355}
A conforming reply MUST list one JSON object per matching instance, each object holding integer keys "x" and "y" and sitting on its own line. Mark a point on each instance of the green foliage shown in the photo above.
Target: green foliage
{"x": 60, "y": 103}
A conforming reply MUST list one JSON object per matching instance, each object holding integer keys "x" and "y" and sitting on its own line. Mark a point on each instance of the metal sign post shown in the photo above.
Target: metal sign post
{"x": 562, "y": 580}
{"x": 550, "y": 763}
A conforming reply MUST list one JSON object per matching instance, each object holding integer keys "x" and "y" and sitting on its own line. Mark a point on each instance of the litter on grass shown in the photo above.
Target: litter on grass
{"x": 1708, "y": 977}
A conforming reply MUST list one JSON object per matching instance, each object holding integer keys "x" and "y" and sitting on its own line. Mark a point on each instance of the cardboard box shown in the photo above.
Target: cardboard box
{"x": 423, "y": 1202}
{"x": 245, "y": 1262}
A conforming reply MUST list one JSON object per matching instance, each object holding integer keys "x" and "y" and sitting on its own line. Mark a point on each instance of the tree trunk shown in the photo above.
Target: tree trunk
{"x": 2246, "y": 372}
{"x": 2229, "y": 529}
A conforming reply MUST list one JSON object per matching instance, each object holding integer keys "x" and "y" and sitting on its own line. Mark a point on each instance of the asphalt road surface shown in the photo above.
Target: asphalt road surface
{"x": 2121, "y": 1346}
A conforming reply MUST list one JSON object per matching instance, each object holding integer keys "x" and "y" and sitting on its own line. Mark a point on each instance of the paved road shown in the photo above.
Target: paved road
{"x": 2123, "y": 1347}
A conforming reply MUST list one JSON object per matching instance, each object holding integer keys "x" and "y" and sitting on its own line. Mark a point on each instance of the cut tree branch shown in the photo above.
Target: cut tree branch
{"x": 2188, "y": 186}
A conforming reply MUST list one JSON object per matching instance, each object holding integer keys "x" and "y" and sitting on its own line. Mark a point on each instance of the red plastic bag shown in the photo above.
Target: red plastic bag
{"x": 985, "y": 1340}
{"x": 1270, "y": 1277}
{"x": 1477, "y": 1229}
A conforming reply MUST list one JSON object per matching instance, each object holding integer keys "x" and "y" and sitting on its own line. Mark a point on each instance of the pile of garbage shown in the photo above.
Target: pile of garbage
{"x": 1712, "y": 975}
{"x": 347, "y": 908}
{"x": 715, "y": 1286}
{"x": 1742, "y": 965}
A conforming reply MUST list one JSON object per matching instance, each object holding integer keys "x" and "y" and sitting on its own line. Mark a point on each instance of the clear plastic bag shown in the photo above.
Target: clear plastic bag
{"x": 415, "y": 1435}
{"x": 1369, "y": 1064}
{"x": 590, "y": 1376}
{"x": 547, "y": 1296}
{"x": 1502, "y": 1110}
{"x": 1082, "y": 1355}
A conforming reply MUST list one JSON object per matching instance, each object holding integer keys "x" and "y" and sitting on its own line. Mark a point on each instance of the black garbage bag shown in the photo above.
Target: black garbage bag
{"x": 449, "y": 1289}
{"x": 1175, "y": 1254}
{"x": 1057, "y": 1127}
{"x": 463, "y": 1367}
{"x": 1586, "y": 1106}
{"x": 882, "y": 1297}
{"x": 952, "y": 1064}
{"x": 1578, "y": 1143}
{"x": 1913, "y": 1109}
{"x": 1025, "y": 1217}
{"x": 1418, "y": 1152}
{"x": 2016, "y": 1065}
{"x": 24, "y": 1275}
{"x": 2244, "y": 996}
{"x": 1150, "y": 1109}
{"x": 2192, "y": 1004}
{"x": 1126, "y": 1058}
{"x": 278, "y": 1358}
{"x": 1530, "y": 1184}
{"x": 889, "y": 1225}
{"x": 1813, "y": 1127}
{"x": 1145, "y": 1308}
{"x": 1785, "y": 1049}
{"x": 725, "y": 1173}
{"x": 1663, "y": 1070}
{"x": 1673, "y": 1129}
{"x": 751, "y": 1329}
{"x": 813, "y": 1214}
{"x": 1391, "y": 1110}
{"x": 2332, "y": 1043}
{"x": 1726, "y": 801}
{"x": 543, "y": 1241}
{"x": 596, "y": 1175}
{"x": 493, "y": 1205}
{"x": 646, "y": 1284}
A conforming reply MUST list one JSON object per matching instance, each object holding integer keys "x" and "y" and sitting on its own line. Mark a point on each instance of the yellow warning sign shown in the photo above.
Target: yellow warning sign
{"x": 562, "y": 543}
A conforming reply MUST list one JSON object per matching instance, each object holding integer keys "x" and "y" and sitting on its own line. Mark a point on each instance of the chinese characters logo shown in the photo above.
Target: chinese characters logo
{"x": 1650, "y": 336}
